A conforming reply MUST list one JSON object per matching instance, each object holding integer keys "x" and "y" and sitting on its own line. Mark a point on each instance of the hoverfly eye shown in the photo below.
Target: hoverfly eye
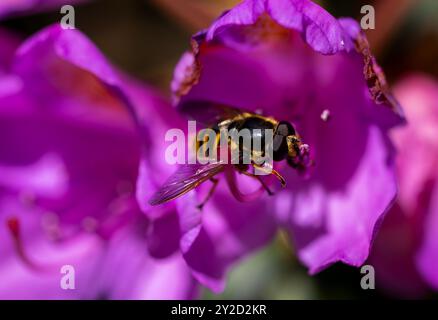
{"x": 279, "y": 147}
{"x": 278, "y": 142}
{"x": 285, "y": 129}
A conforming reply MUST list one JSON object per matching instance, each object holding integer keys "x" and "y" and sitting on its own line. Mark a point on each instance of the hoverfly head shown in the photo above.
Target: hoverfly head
{"x": 298, "y": 154}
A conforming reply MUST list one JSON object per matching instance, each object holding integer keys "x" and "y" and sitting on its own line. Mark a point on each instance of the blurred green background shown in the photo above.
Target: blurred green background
{"x": 146, "y": 38}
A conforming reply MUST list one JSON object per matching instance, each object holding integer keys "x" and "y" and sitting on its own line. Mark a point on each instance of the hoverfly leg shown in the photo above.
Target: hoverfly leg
{"x": 210, "y": 193}
{"x": 234, "y": 189}
{"x": 264, "y": 185}
{"x": 273, "y": 172}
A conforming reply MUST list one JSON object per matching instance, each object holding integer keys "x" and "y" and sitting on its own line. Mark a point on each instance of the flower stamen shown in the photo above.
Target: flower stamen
{"x": 13, "y": 225}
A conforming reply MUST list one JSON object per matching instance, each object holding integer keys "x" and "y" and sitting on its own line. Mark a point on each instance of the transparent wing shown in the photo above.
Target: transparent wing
{"x": 209, "y": 114}
{"x": 185, "y": 179}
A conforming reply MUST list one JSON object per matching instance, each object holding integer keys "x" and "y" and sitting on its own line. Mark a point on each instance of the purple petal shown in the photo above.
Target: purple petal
{"x": 75, "y": 124}
{"x": 69, "y": 66}
{"x": 317, "y": 27}
{"x": 164, "y": 235}
{"x": 330, "y": 222}
{"x": 417, "y": 163}
{"x": 76, "y": 133}
{"x": 18, "y": 282}
{"x": 223, "y": 233}
{"x": 154, "y": 116}
{"x": 42, "y": 279}
{"x": 46, "y": 178}
{"x": 245, "y": 13}
{"x": 78, "y": 146}
{"x": 143, "y": 277}
{"x": 427, "y": 256}
{"x": 392, "y": 255}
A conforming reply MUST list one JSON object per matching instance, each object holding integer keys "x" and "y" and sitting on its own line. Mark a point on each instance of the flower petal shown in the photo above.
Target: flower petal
{"x": 76, "y": 107}
{"x": 416, "y": 163}
{"x": 340, "y": 225}
{"x": 42, "y": 279}
{"x": 392, "y": 256}
{"x": 216, "y": 238}
{"x": 427, "y": 256}
{"x": 143, "y": 277}
{"x": 318, "y": 28}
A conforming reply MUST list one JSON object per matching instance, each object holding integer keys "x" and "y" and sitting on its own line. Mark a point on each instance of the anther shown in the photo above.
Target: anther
{"x": 325, "y": 115}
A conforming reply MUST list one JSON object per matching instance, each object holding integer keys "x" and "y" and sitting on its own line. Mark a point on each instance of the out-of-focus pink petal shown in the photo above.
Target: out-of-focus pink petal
{"x": 405, "y": 251}
{"x": 416, "y": 143}
{"x": 427, "y": 255}
{"x": 39, "y": 276}
{"x": 143, "y": 277}
{"x": 78, "y": 108}
{"x": 392, "y": 256}
{"x": 417, "y": 167}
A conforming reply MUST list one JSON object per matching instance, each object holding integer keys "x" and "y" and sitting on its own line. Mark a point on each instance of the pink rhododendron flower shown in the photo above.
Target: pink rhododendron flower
{"x": 289, "y": 59}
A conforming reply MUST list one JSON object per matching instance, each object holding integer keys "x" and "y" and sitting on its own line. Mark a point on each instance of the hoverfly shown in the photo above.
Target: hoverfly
{"x": 286, "y": 145}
